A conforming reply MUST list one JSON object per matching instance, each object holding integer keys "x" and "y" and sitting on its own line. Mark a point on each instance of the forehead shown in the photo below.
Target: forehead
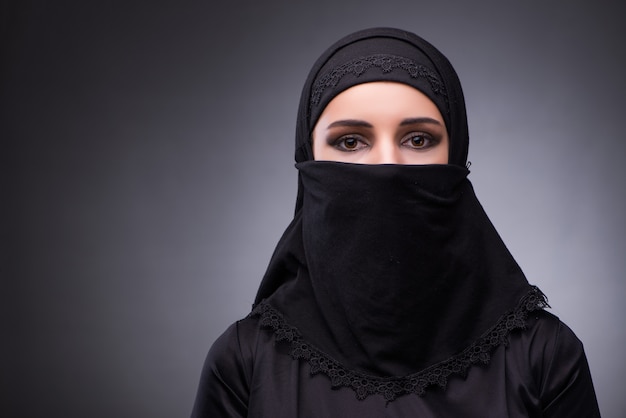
{"x": 380, "y": 100}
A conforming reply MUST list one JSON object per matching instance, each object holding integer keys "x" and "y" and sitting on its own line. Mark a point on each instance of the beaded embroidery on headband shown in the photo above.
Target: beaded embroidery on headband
{"x": 386, "y": 63}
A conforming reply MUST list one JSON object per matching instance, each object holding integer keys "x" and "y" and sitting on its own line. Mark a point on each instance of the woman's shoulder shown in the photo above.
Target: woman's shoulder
{"x": 544, "y": 342}
{"x": 546, "y": 336}
{"x": 236, "y": 344}
{"x": 558, "y": 364}
{"x": 227, "y": 372}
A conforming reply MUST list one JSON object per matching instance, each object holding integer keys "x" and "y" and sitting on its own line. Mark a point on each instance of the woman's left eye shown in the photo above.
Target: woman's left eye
{"x": 418, "y": 140}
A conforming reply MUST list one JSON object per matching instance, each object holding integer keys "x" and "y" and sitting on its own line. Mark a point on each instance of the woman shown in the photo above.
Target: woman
{"x": 390, "y": 293}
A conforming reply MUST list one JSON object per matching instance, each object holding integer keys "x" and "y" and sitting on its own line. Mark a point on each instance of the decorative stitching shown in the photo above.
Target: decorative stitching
{"x": 386, "y": 63}
{"x": 390, "y": 388}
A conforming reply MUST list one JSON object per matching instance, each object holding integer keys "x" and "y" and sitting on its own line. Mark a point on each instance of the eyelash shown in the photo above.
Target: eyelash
{"x": 339, "y": 143}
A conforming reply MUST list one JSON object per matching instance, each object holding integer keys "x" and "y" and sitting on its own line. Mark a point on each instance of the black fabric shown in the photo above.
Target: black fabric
{"x": 360, "y": 45}
{"x": 396, "y": 269}
{"x": 391, "y": 42}
{"x": 390, "y": 388}
{"x": 390, "y": 269}
{"x": 389, "y": 275}
{"x": 405, "y": 267}
{"x": 540, "y": 372}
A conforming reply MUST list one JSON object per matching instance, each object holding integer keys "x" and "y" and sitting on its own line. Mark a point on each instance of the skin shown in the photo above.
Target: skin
{"x": 381, "y": 123}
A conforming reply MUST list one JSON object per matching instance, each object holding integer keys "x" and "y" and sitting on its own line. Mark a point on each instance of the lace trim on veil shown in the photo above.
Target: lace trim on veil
{"x": 390, "y": 388}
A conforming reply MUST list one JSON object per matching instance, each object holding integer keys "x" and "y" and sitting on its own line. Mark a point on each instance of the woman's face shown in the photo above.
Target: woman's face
{"x": 381, "y": 123}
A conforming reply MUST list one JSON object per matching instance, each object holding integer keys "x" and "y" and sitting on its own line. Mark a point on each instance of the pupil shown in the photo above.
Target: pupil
{"x": 350, "y": 143}
{"x": 418, "y": 141}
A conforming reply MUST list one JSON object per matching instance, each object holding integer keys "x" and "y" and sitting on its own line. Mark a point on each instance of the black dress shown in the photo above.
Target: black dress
{"x": 391, "y": 294}
{"x": 541, "y": 372}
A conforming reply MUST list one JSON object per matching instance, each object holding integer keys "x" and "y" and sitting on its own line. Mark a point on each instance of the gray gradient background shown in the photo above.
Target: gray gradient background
{"x": 147, "y": 175}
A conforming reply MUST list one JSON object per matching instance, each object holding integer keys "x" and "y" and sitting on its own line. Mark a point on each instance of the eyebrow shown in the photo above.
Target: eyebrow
{"x": 350, "y": 122}
{"x": 364, "y": 124}
{"x": 412, "y": 121}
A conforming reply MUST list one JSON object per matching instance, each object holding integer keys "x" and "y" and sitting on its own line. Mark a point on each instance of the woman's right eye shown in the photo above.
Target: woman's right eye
{"x": 349, "y": 143}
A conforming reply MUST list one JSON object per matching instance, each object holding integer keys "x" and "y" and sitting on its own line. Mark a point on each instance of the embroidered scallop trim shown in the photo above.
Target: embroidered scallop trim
{"x": 386, "y": 63}
{"x": 392, "y": 387}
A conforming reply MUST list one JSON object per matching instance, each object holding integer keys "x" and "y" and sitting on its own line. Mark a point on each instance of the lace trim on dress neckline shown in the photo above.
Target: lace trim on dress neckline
{"x": 386, "y": 63}
{"x": 390, "y": 388}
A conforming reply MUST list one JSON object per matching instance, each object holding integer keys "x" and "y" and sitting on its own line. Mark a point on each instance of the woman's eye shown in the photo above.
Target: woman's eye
{"x": 349, "y": 143}
{"x": 418, "y": 140}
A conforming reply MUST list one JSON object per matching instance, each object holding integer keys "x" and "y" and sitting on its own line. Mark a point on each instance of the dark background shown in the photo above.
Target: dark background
{"x": 146, "y": 160}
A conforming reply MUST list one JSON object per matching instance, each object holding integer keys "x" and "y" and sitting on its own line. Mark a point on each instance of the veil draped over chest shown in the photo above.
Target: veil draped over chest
{"x": 390, "y": 278}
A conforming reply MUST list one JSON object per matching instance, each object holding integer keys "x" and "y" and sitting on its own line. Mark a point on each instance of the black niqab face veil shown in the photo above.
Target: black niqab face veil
{"x": 390, "y": 278}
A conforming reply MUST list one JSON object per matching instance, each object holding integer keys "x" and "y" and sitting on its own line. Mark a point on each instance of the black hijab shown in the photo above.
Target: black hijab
{"x": 390, "y": 278}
